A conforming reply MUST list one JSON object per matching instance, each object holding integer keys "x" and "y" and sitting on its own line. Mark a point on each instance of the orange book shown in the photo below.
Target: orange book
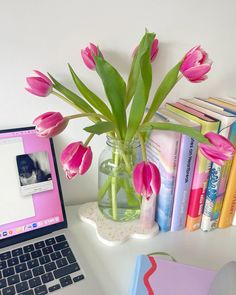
{"x": 229, "y": 205}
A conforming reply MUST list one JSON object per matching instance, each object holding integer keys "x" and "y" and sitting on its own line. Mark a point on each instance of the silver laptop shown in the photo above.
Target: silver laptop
{"x": 37, "y": 253}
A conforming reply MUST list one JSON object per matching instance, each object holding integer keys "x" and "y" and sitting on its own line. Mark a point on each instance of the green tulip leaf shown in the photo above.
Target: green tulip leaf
{"x": 163, "y": 90}
{"x": 115, "y": 89}
{"x": 135, "y": 70}
{"x": 142, "y": 87}
{"x": 100, "y": 128}
{"x": 91, "y": 97}
{"x": 74, "y": 99}
{"x": 149, "y": 126}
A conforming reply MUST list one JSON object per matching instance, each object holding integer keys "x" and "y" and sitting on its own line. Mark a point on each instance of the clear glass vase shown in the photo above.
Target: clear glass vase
{"x": 117, "y": 199}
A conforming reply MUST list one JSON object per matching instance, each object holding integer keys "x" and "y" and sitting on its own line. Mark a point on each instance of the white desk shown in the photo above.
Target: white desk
{"x": 113, "y": 266}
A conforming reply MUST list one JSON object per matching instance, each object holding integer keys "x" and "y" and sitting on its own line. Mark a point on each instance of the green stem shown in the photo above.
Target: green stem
{"x": 89, "y": 139}
{"x": 86, "y": 115}
{"x": 143, "y": 148}
{"x": 113, "y": 189}
{"x": 66, "y": 100}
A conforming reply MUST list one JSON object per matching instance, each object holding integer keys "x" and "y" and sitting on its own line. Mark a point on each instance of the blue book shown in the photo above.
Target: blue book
{"x": 185, "y": 168}
{"x": 163, "y": 149}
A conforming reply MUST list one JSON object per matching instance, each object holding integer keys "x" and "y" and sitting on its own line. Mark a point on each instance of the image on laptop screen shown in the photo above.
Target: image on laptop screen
{"x": 29, "y": 190}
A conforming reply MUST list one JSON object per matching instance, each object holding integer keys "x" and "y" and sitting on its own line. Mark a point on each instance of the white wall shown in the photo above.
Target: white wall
{"x": 45, "y": 35}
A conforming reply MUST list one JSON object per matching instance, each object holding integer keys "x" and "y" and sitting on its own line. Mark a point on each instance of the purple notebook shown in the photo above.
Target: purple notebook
{"x": 156, "y": 276}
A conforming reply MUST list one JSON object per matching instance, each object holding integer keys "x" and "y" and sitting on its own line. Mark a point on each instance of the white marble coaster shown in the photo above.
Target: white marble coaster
{"x": 110, "y": 232}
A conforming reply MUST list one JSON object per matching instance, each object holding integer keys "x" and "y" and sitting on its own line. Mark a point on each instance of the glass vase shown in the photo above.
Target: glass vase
{"x": 117, "y": 199}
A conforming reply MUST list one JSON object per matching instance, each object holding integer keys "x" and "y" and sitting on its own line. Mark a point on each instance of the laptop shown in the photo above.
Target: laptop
{"x": 37, "y": 252}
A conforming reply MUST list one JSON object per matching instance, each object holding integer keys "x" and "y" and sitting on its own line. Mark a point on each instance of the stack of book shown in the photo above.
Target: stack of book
{"x": 195, "y": 193}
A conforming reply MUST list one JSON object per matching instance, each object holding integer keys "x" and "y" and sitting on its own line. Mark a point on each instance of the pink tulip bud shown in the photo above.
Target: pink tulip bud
{"x": 196, "y": 65}
{"x": 88, "y": 53}
{"x": 146, "y": 179}
{"x": 50, "y": 124}
{"x": 219, "y": 150}
{"x": 40, "y": 86}
{"x": 76, "y": 159}
{"x": 154, "y": 50}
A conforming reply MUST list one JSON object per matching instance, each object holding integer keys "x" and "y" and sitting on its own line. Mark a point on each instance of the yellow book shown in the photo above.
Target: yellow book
{"x": 229, "y": 205}
{"x": 226, "y": 104}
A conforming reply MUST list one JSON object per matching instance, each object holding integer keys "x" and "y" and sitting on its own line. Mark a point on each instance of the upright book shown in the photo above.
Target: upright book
{"x": 184, "y": 175}
{"x": 202, "y": 165}
{"x": 156, "y": 276}
{"x": 219, "y": 175}
{"x": 162, "y": 149}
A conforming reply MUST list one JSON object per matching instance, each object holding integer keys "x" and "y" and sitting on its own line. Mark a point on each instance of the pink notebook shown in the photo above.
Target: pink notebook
{"x": 156, "y": 276}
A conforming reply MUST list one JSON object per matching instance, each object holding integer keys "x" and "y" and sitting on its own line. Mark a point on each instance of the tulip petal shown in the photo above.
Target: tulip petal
{"x": 220, "y": 141}
{"x": 156, "y": 179}
{"x": 86, "y": 161}
{"x": 88, "y": 61}
{"x": 44, "y": 77}
{"x": 191, "y": 60}
{"x": 138, "y": 178}
{"x": 147, "y": 177}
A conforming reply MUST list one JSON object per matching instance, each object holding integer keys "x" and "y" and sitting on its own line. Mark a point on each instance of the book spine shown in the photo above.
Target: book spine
{"x": 215, "y": 192}
{"x": 201, "y": 173}
{"x": 229, "y": 204}
{"x": 187, "y": 156}
{"x": 163, "y": 150}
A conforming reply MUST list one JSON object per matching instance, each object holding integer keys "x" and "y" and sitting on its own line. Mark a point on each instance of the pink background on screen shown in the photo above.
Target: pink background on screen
{"x": 46, "y": 204}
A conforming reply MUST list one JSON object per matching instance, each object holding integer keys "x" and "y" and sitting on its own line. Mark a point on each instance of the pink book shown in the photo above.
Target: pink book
{"x": 156, "y": 276}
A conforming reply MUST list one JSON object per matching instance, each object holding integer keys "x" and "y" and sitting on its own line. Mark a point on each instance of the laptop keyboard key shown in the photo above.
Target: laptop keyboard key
{"x": 39, "y": 245}
{"x": 35, "y": 282}
{"x": 21, "y": 287}
{"x": 66, "y": 281}
{"x": 25, "y": 257}
{"x": 54, "y": 288}
{"x": 50, "y": 266}
{"x": 56, "y": 255}
{"x": 69, "y": 255}
{"x": 61, "y": 262}
{"x": 13, "y": 261}
{"x": 13, "y": 280}
{"x": 26, "y": 275}
{"x": 28, "y": 248}
{"x": 3, "y": 283}
{"x": 47, "y": 250}
{"x": 37, "y": 271}
{"x": 9, "y": 291}
{"x": 44, "y": 259}
{"x": 5, "y": 255}
{"x": 3, "y": 264}
{"x": 60, "y": 238}
{"x": 78, "y": 278}
{"x": 61, "y": 246}
{"x": 29, "y": 292}
{"x": 17, "y": 252}
{"x": 33, "y": 263}
{"x": 36, "y": 254}
{"x": 47, "y": 277}
{"x": 66, "y": 270}
{"x": 41, "y": 290}
{"x": 50, "y": 241}
{"x": 21, "y": 267}
{"x": 7, "y": 272}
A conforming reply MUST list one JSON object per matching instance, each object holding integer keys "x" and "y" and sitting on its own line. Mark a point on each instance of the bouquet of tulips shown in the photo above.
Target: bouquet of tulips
{"x": 123, "y": 116}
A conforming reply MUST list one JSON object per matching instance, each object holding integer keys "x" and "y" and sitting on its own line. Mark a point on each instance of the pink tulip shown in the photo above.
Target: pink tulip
{"x": 76, "y": 159}
{"x": 50, "y": 124}
{"x": 40, "y": 86}
{"x": 88, "y": 53}
{"x": 219, "y": 150}
{"x": 195, "y": 65}
{"x": 147, "y": 179}
{"x": 154, "y": 50}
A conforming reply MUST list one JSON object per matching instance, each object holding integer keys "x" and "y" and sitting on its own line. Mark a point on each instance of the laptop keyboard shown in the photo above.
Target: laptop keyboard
{"x": 39, "y": 268}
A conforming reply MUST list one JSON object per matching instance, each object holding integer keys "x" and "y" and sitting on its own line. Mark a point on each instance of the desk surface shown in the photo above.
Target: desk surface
{"x": 113, "y": 266}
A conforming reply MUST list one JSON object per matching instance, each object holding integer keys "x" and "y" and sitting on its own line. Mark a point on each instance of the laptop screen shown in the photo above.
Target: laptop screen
{"x": 30, "y": 196}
